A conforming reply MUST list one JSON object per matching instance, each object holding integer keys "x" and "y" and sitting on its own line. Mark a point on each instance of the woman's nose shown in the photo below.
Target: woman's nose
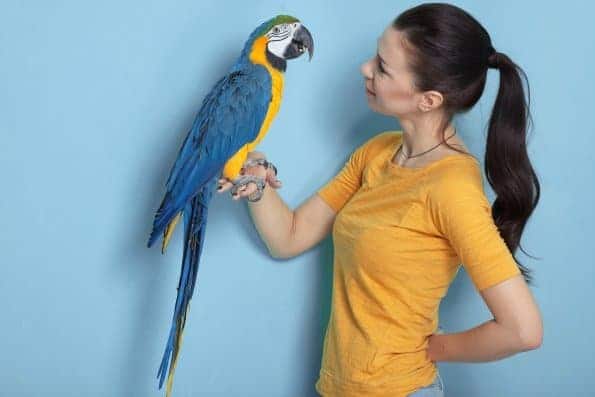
{"x": 365, "y": 70}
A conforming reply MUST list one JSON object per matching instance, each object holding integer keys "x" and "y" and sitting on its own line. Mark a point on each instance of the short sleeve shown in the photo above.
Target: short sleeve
{"x": 462, "y": 213}
{"x": 343, "y": 186}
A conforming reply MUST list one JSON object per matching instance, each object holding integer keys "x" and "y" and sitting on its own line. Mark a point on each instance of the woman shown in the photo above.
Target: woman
{"x": 409, "y": 207}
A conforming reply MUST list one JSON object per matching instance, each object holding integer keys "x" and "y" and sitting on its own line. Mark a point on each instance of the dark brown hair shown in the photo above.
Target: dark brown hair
{"x": 450, "y": 52}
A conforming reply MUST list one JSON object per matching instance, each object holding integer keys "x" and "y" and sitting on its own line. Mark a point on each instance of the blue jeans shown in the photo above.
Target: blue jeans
{"x": 434, "y": 389}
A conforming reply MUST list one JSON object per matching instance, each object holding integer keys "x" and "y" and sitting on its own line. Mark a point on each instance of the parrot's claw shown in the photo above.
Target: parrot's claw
{"x": 246, "y": 179}
{"x": 265, "y": 163}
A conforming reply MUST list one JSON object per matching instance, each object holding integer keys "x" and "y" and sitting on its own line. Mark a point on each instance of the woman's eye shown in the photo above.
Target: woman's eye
{"x": 380, "y": 67}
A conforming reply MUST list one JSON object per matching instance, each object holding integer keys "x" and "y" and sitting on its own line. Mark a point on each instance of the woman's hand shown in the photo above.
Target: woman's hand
{"x": 435, "y": 348}
{"x": 257, "y": 170}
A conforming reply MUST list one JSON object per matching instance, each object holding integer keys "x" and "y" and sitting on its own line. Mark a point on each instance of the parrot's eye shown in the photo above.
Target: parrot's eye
{"x": 275, "y": 29}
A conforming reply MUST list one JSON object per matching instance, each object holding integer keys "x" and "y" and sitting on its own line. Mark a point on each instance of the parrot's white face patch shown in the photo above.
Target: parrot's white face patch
{"x": 280, "y": 36}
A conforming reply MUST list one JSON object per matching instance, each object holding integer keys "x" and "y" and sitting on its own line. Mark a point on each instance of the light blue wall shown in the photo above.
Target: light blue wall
{"x": 95, "y": 99}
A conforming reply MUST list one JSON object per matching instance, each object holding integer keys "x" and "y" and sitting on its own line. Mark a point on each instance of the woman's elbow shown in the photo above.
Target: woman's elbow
{"x": 280, "y": 254}
{"x": 532, "y": 338}
{"x": 276, "y": 255}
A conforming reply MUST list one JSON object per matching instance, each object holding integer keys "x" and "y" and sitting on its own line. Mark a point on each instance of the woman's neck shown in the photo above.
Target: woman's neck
{"x": 421, "y": 142}
{"x": 417, "y": 140}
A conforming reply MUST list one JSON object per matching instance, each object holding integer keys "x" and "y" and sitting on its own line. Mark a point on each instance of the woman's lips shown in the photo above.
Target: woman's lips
{"x": 369, "y": 92}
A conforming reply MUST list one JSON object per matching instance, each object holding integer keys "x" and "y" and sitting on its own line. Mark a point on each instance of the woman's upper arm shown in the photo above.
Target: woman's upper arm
{"x": 312, "y": 221}
{"x": 461, "y": 212}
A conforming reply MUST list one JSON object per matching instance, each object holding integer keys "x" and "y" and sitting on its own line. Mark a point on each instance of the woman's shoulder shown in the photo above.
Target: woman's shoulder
{"x": 457, "y": 175}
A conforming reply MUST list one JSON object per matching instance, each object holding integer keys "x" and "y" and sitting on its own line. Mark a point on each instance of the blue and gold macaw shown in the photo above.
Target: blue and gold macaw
{"x": 233, "y": 118}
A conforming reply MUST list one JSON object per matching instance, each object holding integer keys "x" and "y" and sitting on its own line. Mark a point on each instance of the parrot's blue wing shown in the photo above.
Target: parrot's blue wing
{"x": 230, "y": 116}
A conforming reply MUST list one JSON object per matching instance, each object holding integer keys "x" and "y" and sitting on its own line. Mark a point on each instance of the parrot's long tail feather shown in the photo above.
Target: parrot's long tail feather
{"x": 195, "y": 217}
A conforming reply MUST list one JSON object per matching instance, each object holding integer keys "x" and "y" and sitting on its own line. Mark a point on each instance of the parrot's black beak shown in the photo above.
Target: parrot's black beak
{"x": 302, "y": 39}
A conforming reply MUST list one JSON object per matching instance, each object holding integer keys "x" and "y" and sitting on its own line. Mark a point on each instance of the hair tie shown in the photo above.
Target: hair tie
{"x": 493, "y": 58}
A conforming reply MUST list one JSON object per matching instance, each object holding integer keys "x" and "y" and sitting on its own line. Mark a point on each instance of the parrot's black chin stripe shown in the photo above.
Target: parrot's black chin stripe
{"x": 278, "y": 63}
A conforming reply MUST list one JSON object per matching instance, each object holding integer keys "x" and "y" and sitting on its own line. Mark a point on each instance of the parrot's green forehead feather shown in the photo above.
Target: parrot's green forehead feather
{"x": 279, "y": 19}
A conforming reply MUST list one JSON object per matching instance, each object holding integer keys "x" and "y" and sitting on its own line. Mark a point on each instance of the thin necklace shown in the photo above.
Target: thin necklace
{"x": 408, "y": 157}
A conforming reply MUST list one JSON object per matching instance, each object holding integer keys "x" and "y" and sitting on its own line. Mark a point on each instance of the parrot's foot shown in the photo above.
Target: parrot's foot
{"x": 245, "y": 180}
{"x": 265, "y": 163}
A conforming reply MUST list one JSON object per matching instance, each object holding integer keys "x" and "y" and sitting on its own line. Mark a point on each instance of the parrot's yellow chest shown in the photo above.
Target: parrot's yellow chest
{"x": 232, "y": 167}
{"x": 257, "y": 56}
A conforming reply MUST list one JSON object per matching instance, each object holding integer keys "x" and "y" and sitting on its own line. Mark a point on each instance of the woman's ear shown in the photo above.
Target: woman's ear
{"x": 430, "y": 100}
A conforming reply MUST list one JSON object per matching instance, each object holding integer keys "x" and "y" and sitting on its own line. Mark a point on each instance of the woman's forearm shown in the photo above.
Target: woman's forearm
{"x": 489, "y": 341}
{"x": 273, "y": 220}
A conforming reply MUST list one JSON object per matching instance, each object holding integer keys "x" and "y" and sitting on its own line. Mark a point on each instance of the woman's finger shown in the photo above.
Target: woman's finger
{"x": 247, "y": 190}
{"x": 272, "y": 180}
{"x": 276, "y": 183}
{"x": 251, "y": 188}
{"x": 239, "y": 193}
{"x": 224, "y": 185}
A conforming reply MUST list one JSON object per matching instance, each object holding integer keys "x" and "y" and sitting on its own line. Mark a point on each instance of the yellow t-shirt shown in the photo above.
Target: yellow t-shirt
{"x": 400, "y": 236}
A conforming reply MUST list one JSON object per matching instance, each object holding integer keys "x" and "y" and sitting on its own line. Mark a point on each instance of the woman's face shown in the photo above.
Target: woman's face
{"x": 389, "y": 85}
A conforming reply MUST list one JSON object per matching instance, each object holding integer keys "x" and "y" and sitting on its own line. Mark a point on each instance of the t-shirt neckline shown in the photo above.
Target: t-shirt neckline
{"x": 396, "y": 167}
